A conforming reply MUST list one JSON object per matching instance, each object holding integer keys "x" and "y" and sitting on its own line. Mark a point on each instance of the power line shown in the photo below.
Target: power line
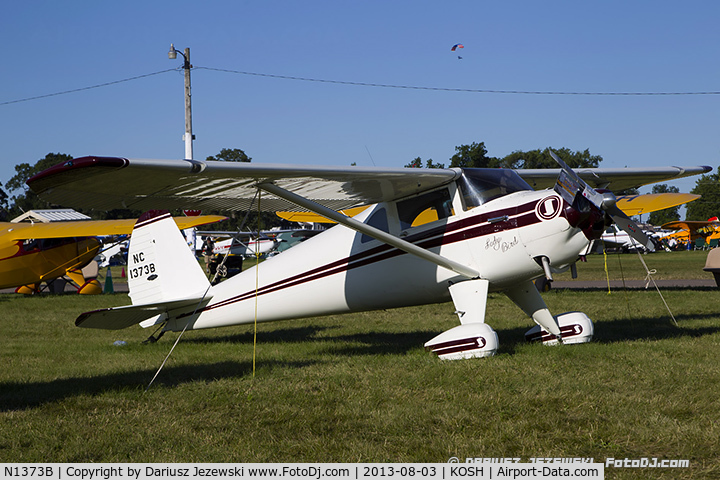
{"x": 444, "y": 89}
{"x": 87, "y": 88}
{"x": 364, "y": 84}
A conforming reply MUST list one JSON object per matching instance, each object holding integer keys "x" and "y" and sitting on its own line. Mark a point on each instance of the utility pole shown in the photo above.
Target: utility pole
{"x": 188, "y": 137}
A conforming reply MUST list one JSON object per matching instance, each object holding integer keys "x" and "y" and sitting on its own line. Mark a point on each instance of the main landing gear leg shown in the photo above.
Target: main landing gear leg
{"x": 473, "y": 338}
{"x": 529, "y": 300}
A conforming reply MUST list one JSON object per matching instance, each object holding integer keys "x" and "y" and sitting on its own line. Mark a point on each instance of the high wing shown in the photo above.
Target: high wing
{"x": 89, "y": 228}
{"x": 652, "y": 202}
{"x": 214, "y": 185}
{"x": 147, "y": 184}
{"x": 615, "y": 179}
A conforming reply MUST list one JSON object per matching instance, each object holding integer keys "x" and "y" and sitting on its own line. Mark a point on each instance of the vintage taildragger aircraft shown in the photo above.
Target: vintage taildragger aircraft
{"x": 33, "y": 253}
{"x": 695, "y": 233}
{"x": 493, "y": 233}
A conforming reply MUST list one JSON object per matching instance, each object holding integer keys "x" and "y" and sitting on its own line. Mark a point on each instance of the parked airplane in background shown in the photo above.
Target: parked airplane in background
{"x": 692, "y": 233}
{"x": 242, "y": 244}
{"x": 33, "y": 253}
{"x": 631, "y": 205}
{"x": 229, "y": 253}
{"x": 493, "y": 233}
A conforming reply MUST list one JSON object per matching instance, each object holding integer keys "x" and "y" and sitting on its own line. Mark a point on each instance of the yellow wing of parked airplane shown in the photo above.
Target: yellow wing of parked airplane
{"x": 629, "y": 204}
{"x": 427, "y": 216}
{"x": 32, "y": 253}
{"x": 309, "y": 217}
{"x": 639, "y": 204}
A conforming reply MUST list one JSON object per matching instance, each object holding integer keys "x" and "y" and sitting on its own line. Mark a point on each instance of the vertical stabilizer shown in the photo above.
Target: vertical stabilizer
{"x": 161, "y": 267}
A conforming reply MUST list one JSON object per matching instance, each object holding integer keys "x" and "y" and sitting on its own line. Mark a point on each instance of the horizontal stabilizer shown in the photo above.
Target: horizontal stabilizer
{"x": 122, "y": 317}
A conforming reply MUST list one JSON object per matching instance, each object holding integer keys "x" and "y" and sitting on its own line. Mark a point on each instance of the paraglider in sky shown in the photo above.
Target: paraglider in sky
{"x": 455, "y": 47}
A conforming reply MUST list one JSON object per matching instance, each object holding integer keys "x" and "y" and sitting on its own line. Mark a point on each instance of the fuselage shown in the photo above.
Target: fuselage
{"x": 25, "y": 262}
{"x": 341, "y": 270}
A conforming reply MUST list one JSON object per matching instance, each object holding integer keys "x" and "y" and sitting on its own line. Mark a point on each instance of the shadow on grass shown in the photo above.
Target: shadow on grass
{"x": 25, "y": 395}
{"x": 627, "y": 329}
{"x": 283, "y": 335}
{"x": 366, "y": 343}
{"x": 651, "y": 328}
{"x": 389, "y": 343}
{"x": 381, "y": 343}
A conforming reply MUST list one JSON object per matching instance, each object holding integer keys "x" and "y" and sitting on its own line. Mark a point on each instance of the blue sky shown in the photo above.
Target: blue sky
{"x": 559, "y": 46}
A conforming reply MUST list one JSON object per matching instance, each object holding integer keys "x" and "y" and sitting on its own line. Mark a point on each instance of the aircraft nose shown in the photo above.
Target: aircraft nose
{"x": 585, "y": 216}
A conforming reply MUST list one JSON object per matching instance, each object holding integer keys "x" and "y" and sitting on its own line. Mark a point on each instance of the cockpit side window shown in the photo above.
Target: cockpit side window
{"x": 480, "y": 185}
{"x": 424, "y": 208}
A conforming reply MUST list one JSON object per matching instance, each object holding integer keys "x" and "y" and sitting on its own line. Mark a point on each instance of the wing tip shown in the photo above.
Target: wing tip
{"x": 36, "y": 181}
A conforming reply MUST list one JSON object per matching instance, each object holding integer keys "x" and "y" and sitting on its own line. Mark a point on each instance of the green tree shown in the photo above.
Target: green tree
{"x": 473, "y": 156}
{"x": 230, "y": 155}
{"x": 666, "y": 215}
{"x": 3, "y": 205}
{"x": 708, "y": 205}
{"x": 542, "y": 159}
{"x": 24, "y": 199}
{"x": 417, "y": 163}
{"x": 3, "y": 197}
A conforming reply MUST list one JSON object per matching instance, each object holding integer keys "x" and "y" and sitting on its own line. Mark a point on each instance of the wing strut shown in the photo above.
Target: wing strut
{"x": 373, "y": 232}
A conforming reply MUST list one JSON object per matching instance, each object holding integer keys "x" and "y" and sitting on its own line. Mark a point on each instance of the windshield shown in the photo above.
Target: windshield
{"x": 480, "y": 185}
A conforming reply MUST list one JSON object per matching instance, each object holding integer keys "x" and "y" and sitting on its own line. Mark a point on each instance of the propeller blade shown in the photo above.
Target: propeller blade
{"x": 630, "y": 227}
{"x": 569, "y": 184}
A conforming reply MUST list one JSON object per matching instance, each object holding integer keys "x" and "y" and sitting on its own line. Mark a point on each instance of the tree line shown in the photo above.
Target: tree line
{"x": 16, "y": 197}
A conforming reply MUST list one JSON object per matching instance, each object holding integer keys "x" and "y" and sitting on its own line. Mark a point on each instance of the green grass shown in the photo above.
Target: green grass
{"x": 361, "y": 388}
{"x": 668, "y": 266}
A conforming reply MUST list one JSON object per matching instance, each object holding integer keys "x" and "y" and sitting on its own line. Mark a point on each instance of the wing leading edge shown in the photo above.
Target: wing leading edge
{"x": 615, "y": 179}
{"x": 213, "y": 185}
{"x": 109, "y": 182}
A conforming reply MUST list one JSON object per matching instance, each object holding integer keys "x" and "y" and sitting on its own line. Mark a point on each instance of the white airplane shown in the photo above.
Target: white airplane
{"x": 246, "y": 247}
{"x": 615, "y": 237}
{"x": 105, "y": 255}
{"x": 490, "y": 231}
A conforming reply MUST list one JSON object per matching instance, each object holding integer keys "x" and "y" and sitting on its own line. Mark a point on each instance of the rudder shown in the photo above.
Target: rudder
{"x": 161, "y": 267}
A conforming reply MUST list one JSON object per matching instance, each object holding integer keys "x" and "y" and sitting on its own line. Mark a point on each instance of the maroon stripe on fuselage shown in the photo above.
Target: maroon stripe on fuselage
{"x": 471, "y": 227}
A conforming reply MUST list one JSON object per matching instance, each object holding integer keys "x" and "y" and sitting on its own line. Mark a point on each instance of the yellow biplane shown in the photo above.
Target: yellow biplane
{"x": 697, "y": 234}
{"x": 36, "y": 253}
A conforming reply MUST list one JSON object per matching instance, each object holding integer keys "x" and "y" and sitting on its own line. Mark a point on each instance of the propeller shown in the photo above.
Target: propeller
{"x": 573, "y": 189}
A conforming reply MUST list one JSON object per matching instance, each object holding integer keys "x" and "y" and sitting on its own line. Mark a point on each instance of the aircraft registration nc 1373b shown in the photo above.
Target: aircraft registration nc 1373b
{"x": 490, "y": 232}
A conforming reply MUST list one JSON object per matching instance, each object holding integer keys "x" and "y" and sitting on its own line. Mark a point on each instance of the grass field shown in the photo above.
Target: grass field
{"x": 361, "y": 388}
